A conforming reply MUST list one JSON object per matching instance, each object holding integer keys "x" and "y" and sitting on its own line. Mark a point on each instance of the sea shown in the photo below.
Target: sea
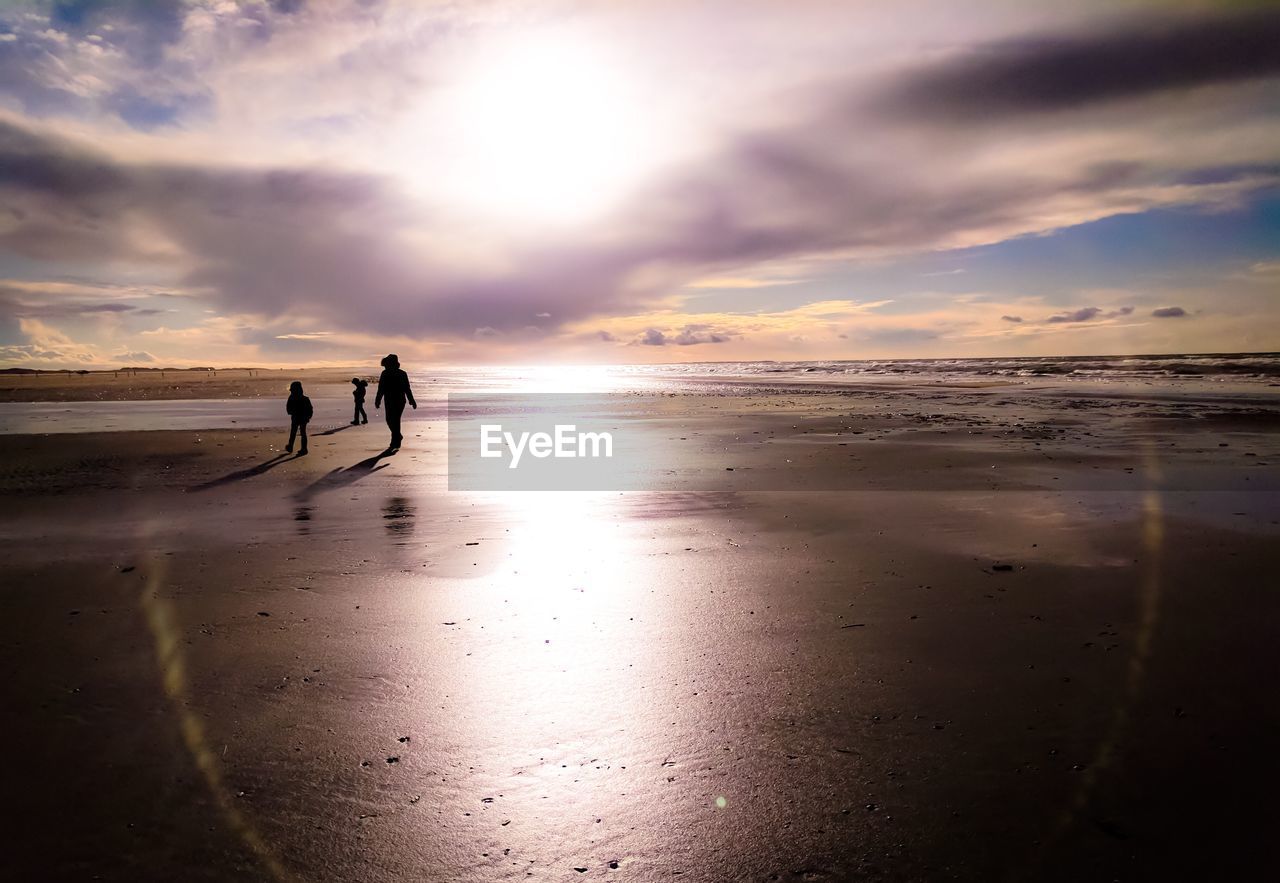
{"x": 1257, "y": 366}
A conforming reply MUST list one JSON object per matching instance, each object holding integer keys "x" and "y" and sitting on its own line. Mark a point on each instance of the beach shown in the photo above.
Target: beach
{"x": 987, "y": 628}
{"x": 805, "y": 443}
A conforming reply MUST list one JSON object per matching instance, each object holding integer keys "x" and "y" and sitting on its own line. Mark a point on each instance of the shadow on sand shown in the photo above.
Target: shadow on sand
{"x": 242, "y": 474}
{"x": 335, "y": 430}
{"x": 340, "y": 478}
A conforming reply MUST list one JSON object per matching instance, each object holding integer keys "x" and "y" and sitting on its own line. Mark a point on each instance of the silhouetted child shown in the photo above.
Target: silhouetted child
{"x": 298, "y": 407}
{"x": 358, "y": 392}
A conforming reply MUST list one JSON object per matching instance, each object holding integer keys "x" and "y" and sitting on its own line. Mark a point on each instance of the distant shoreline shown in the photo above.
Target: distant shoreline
{"x": 23, "y": 372}
{"x": 211, "y": 369}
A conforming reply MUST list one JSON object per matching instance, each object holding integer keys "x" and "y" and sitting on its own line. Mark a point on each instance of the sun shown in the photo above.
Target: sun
{"x": 544, "y": 127}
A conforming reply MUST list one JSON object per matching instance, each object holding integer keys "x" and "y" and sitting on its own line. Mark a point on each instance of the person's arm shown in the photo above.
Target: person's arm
{"x": 408, "y": 393}
{"x": 288, "y": 406}
{"x": 377, "y": 399}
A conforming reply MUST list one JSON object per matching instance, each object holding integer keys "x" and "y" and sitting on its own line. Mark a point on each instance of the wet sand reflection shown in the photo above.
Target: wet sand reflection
{"x": 397, "y": 513}
{"x": 552, "y": 702}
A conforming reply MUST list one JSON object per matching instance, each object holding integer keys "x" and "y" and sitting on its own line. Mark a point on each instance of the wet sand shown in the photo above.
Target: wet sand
{"x": 992, "y": 634}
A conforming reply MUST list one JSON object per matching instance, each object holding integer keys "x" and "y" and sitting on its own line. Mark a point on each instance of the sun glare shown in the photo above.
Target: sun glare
{"x": 547, "y": 128}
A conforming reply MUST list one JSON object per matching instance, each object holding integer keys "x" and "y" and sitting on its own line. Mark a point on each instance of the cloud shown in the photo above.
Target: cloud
{"x": 44, "y": 336}
{"x": 133, "y": 356}
{"x": 341, "y": 247}
{"x": 352, "y": 249}
{"x": 1084, "y": 314}
{"x": 1055, "y": 73}
{"x": 107, "y": 308}
{"x": 40, "y": 357}
{"x": 899, "y": 335}
{"x": 46, "y": 347}
{"x": 87, "y": 57}
{"x": 1088, "y": 314}
{"x": 208, "y": 145}
{"x": 692, "y": 335}
{"x": 1007, "y": 318}
{"x": 731, "y": 282}
{"x": 19, "y": 304}
{"x": 1169, "y": 313}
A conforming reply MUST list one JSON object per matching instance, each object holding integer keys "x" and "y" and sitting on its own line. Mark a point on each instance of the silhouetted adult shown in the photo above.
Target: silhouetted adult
{"x": 393, "y": 386}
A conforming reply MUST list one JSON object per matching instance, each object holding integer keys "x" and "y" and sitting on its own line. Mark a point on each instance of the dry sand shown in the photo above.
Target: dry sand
{"x": 150, "y": 385}
{"x": 993, "y": 634}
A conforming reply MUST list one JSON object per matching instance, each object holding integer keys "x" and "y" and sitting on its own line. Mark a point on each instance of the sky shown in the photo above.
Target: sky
{"x": 292, "y": 183}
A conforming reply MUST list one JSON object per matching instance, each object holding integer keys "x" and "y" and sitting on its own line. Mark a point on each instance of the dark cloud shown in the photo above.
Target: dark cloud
{"x": 898, "y": 336}
{"x": 1227, "y": 173}
{"x": 690, "y": 335}
{"x": 696, "y": 334}
{"x": 1169, "y": 313}
{"x": 1052, "y": 73}
{"x": 332, "y": 247}
{"x": 106, "y": 308}
{"x": 270, "y": 242}
{"x": 1086, "y": 314}
{"x": 1011, "y": 318}
{"x": 21, "y": 304}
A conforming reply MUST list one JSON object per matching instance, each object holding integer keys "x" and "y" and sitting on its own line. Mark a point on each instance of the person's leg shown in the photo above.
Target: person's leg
{"x": 293, "y": 432}
{"x": 364, "y": 416}
{"x": 355, "y": 417}
{"x": 394, "y": 410}
{"x": 303, "y": 429}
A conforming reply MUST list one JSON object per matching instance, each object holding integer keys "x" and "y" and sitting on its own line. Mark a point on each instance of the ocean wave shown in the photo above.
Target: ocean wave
{"x": 1244, "y": 366}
